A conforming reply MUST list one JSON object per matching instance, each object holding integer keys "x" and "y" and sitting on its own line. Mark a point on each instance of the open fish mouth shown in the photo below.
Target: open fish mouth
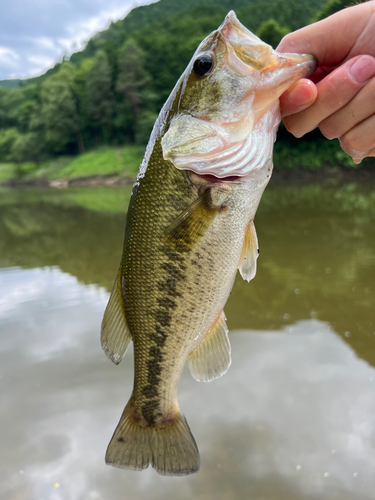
{"x": 213, "y": 178}
{"x": 231, "y": 128}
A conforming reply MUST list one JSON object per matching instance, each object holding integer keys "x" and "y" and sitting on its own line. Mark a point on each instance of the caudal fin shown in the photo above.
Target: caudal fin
{"x": 169, "y": 447}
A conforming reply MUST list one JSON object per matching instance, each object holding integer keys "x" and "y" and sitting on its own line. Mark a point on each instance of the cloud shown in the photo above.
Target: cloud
{"x": 34, "y": 296}
{"x": 8, "y": 57}
{"x": 40, "y": 60}
{"x": 292, "y": 418}
{"x": 39, "y": 63}
{"x": 35, "y": 34}
{"x": 44, "y": 42}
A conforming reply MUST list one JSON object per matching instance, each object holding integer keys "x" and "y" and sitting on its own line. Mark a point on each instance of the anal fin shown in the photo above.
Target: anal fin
{"x": 115, "y": 333}
{"x": 212, "y": 358}
{"x": 250, "y": 251}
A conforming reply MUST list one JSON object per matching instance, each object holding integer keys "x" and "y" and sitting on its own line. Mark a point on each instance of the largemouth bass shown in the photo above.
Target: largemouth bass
{"x": 189, "y": 228}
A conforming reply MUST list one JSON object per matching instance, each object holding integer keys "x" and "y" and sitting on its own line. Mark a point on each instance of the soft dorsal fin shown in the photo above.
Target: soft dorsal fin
{"x": 250, "y": 251}
{"x": 212, "y": 358}
{"x": 115, "y": 333}
{"x": 191, "y": 224}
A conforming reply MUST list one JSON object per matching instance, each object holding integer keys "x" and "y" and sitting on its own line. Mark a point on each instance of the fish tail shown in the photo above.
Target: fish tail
{"x": 167, "y": 445}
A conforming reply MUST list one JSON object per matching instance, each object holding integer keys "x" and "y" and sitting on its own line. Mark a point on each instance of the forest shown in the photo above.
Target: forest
{"x": 111, "y": 92}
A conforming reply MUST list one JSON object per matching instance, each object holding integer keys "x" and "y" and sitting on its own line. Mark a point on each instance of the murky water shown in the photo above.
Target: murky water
{"x": 294, "y": 418}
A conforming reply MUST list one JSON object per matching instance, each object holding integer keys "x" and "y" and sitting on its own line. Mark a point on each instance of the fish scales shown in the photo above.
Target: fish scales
{"x": 189, "y": 228}
{"x": 166, "y": 298}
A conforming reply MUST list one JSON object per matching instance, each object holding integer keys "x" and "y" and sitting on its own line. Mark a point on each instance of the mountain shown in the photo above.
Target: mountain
{"x": 292, "y": 14}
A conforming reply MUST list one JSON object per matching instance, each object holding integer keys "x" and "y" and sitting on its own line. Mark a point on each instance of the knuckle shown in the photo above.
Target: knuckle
{"x": 293, "y": 126}
{"x": 370, "y": 92}
{"x": 351, "y": 141}
{"x": 334, "y": 93}
{"x": 347, "y": 142}
{"x": 288, "y": 123}
{"x": 330, "y": 129}
{"x": 339, "y": 89}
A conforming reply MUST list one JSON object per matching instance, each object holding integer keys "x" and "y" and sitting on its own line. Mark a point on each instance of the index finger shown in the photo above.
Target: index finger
{"x": 331, "y": 40}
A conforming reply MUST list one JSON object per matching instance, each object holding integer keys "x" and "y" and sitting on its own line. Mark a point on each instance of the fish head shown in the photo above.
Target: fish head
{"x": 228, "y": 110}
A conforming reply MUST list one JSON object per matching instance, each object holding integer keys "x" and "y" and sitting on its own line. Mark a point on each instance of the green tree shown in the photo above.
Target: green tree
{"x": 99, "y": 97}
{"x": 168, "y": 45}
{"x": 333, "y": 6}
{"x": 27, "y": 147}
{"x": 7, "y": 139}
{"x": 24, "y": 113}
{"x": 10, "y": 100}
{"x": 80, "y": 79}
{"x": 271, "y": 32}
{"x": 146, "y": 120}
{"x": 59, "y": 111}
{"x": 134, "y": 83}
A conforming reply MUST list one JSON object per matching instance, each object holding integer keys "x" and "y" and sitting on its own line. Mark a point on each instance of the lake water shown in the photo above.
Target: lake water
{"x": 294, "y": 417}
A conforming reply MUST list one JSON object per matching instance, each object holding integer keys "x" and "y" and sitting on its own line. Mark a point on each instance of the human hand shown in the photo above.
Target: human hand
{"x": 342, "y": 100}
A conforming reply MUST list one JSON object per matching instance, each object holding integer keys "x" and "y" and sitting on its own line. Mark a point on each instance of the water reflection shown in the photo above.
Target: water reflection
{"x": 293, "y": 417}
{"x": 317, "y": 257}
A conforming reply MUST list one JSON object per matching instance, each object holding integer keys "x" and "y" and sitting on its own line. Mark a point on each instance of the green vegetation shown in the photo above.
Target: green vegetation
{"x": 10, "y": 84}
{"x": 103, "y": 102}
{"x": 101, "y": 199}
{"x": 121, "y": 161}
{"x": 7, "y": 171}
{"x": 331, "y": 7}
{"x": 310, "y": 155}
{"x": 104, "y": 199}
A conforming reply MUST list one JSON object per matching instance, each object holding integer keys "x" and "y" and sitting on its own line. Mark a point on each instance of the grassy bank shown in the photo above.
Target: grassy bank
{"x": 104, "y": 162}
{"x": 109, "y": 164}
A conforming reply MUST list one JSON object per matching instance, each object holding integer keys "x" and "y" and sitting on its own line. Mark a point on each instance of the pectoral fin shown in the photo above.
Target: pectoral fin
{"x": 191, "y": 224}
{"x": 250, "y": 251}
{"x": 115, "y": 333}
{"x": 212, "y": 357}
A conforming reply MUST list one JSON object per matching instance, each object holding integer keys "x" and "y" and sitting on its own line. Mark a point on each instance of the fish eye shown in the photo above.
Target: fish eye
{"x": 203, "y": 65}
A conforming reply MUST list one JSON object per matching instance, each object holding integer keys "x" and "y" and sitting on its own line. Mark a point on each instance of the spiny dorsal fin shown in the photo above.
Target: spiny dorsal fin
{"x": 212, "y": 357}
{"x": 191, "y": 224}
{"x": 115, "y": 334}
{"x": 250, "y": 251}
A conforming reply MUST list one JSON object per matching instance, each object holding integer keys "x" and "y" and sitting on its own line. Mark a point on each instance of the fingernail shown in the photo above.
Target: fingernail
{"x": 363, "y": 69}
{"x": 300, "y": 95}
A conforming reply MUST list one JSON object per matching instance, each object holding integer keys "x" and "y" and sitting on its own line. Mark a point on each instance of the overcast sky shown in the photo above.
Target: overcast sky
{"x": 34, "y": 34}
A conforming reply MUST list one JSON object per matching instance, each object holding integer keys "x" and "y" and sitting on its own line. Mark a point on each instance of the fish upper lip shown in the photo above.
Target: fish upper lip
{"x": 247, "y": 55}
{"x": 296, "y": 61}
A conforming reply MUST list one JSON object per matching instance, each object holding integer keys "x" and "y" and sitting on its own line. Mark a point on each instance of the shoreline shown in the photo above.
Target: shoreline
{"x": 96, "y": 180}
{"x": 292, "y": 175}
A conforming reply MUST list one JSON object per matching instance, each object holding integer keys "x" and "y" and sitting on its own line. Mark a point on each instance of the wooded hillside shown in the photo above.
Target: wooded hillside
{"x": 111, "y": 92}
